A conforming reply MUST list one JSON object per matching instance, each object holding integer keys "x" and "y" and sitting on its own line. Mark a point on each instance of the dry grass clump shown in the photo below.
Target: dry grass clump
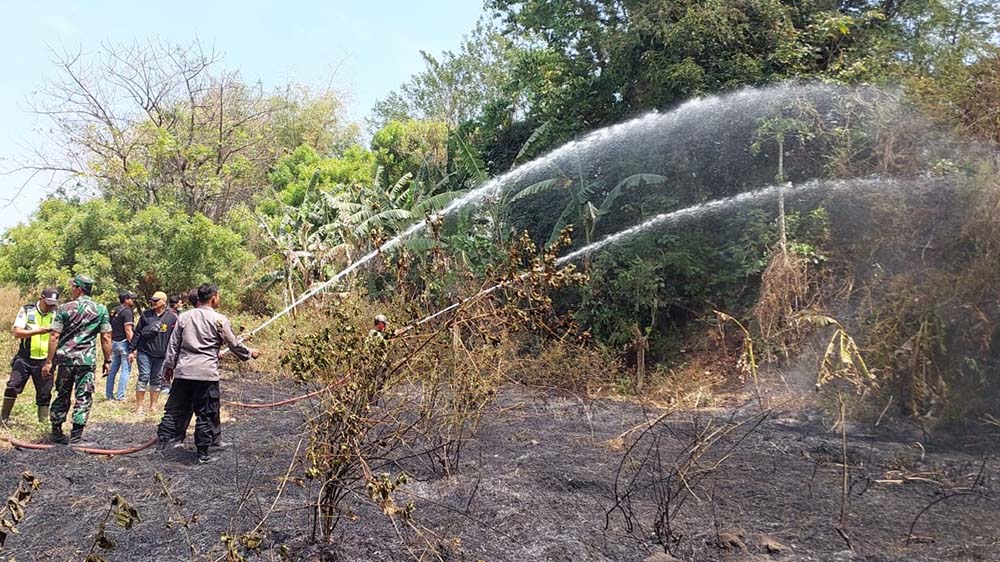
{"x": 924, "y": 258}
{"x": 570, "y": 366}
{"x": 981, "y": 228}
{"x": 10, "y": 301}
{"x": 784, "y": 292}
{"x": 706, "y": 371}
{"x": 904, "y": 339}
{"x": 694, "y": 385}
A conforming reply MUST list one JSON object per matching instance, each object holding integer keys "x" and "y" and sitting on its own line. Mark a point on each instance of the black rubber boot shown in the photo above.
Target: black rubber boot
{"x": 43, "y": 414}
{"x": 8, "y": 405}
{"x": 57, "y": 436}
{"x": 76, "y": 436}
{"x": 203, "y": 457}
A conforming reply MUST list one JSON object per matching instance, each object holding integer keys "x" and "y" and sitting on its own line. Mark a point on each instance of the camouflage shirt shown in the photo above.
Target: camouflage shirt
{"x": 78, "y": 323}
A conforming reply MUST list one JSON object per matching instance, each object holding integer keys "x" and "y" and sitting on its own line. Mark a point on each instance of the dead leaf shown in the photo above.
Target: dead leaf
{"x": 770, "y": 545}
{"x": 732, "y": 538}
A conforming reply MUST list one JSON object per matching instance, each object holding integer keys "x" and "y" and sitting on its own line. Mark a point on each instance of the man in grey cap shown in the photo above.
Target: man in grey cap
{"x": 31, "y": 327}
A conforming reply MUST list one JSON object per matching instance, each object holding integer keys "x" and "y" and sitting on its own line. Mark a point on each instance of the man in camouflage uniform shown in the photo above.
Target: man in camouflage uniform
{"x": 72, "y": 345}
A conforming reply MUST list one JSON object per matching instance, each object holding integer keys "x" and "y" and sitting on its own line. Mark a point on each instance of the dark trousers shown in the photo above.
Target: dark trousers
{"x": 186, "y": 397}
{"x": 216, "y": 424}
{"x": 21, "y": 370}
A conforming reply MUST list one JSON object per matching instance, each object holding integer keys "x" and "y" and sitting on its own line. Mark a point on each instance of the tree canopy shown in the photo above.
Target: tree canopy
{"x": 159, "y": 248}
{"x": 174, "y": 169}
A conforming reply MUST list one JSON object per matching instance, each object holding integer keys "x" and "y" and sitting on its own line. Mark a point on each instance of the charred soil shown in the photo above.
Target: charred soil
{"x": 538, "y": 481}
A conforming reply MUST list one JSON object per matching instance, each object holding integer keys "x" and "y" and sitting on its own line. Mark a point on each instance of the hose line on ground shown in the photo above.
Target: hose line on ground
{"x": 17, "y": 443}
{"x": 89, "y": 450}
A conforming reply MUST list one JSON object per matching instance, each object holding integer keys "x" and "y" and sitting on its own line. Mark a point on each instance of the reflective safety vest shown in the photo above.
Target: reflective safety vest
{"x": 36, "y": 347}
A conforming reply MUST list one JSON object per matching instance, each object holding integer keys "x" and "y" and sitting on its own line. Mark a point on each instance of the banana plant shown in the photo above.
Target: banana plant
{"x": 305, "y": 239}
{"x": 389, "y": 209}
{"x": 581, "y": 209}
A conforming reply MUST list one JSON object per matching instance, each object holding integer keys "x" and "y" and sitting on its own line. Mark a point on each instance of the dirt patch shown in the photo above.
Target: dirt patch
{"x": 536, "y": 483}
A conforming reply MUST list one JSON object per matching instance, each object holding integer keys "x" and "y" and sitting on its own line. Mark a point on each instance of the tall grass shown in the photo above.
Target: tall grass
{"x": 10, "y": 301}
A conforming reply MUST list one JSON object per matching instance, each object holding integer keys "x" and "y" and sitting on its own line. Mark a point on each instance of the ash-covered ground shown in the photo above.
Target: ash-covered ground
{"x": 539, "y": 481}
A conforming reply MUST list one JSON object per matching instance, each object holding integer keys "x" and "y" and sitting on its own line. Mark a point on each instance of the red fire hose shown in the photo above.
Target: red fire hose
{"x": 89, "y": 450}
{"x": 114, "y": 452}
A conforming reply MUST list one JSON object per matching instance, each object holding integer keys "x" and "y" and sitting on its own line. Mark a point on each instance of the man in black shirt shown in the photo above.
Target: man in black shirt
{"x": 152, "y": 334}
{"x": 175, "y": 302}
{"x": 122, "y": 323}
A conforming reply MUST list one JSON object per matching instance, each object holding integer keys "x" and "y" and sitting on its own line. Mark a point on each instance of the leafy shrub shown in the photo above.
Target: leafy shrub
{"x": 156, "y": 249}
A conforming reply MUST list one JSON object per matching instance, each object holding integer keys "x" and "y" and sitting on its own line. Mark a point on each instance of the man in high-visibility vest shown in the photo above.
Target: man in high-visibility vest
{"x": 31, "y": 327}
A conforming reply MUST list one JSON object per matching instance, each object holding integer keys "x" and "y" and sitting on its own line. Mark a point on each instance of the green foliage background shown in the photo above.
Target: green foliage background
{"x": 268, "y": 193}
{"x": 157, "y": 248}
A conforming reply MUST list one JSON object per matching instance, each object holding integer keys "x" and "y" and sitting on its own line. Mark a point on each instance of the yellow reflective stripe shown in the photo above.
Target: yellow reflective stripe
{"x": 40, "y": 342}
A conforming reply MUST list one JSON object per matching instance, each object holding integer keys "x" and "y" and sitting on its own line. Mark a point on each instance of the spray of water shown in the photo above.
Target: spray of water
{"x": 647, "y": 138}
{"x": 679, "y": 217}
{"x": 696, "y": 212}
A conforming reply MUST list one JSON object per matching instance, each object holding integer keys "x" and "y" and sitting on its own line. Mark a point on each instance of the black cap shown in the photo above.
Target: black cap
{"x": 50, "y": 295}
{"x": 126, "y": 295}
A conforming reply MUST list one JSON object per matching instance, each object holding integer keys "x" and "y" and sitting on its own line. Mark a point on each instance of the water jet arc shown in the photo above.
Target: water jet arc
{"x": 652, "y": 132}
{"x": 680, "y": 216}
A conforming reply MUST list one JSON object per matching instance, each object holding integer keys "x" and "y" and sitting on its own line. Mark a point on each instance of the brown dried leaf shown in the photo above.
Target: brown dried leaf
{"x": 732, "y": 539}
{"x": 770, "y": 545}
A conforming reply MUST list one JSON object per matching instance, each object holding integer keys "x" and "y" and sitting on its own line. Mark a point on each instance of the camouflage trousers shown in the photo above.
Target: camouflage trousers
{"x": 68, "y": 377}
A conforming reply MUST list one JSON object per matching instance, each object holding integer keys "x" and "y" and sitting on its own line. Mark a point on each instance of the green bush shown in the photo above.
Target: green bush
{"x": 665, "y": 279}
{"x": 158, "y": 248}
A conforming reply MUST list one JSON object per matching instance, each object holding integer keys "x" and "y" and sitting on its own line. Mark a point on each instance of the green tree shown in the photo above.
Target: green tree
{"x": 157, "y": 248}
{"x": 155, "y": 123}
{"x": 415, "y": 147}
{"x": 454, "y": 87}
{"x": 583, "y": 64}
{"x": 302, "y": 116}
{"x": 293, "y": 173}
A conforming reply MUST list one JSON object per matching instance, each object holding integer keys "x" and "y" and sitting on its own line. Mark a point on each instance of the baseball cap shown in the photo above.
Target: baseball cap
{"x": 126, "y": 295}
{"x": 82, "y": 281}
{"x": 158, "y": 296}
{"x": 50, "y": 295}
{"x": 381, "y": 318}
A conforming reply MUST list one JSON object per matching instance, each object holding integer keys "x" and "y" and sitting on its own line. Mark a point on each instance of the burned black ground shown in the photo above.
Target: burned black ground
{"x": 536, "y": 483}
